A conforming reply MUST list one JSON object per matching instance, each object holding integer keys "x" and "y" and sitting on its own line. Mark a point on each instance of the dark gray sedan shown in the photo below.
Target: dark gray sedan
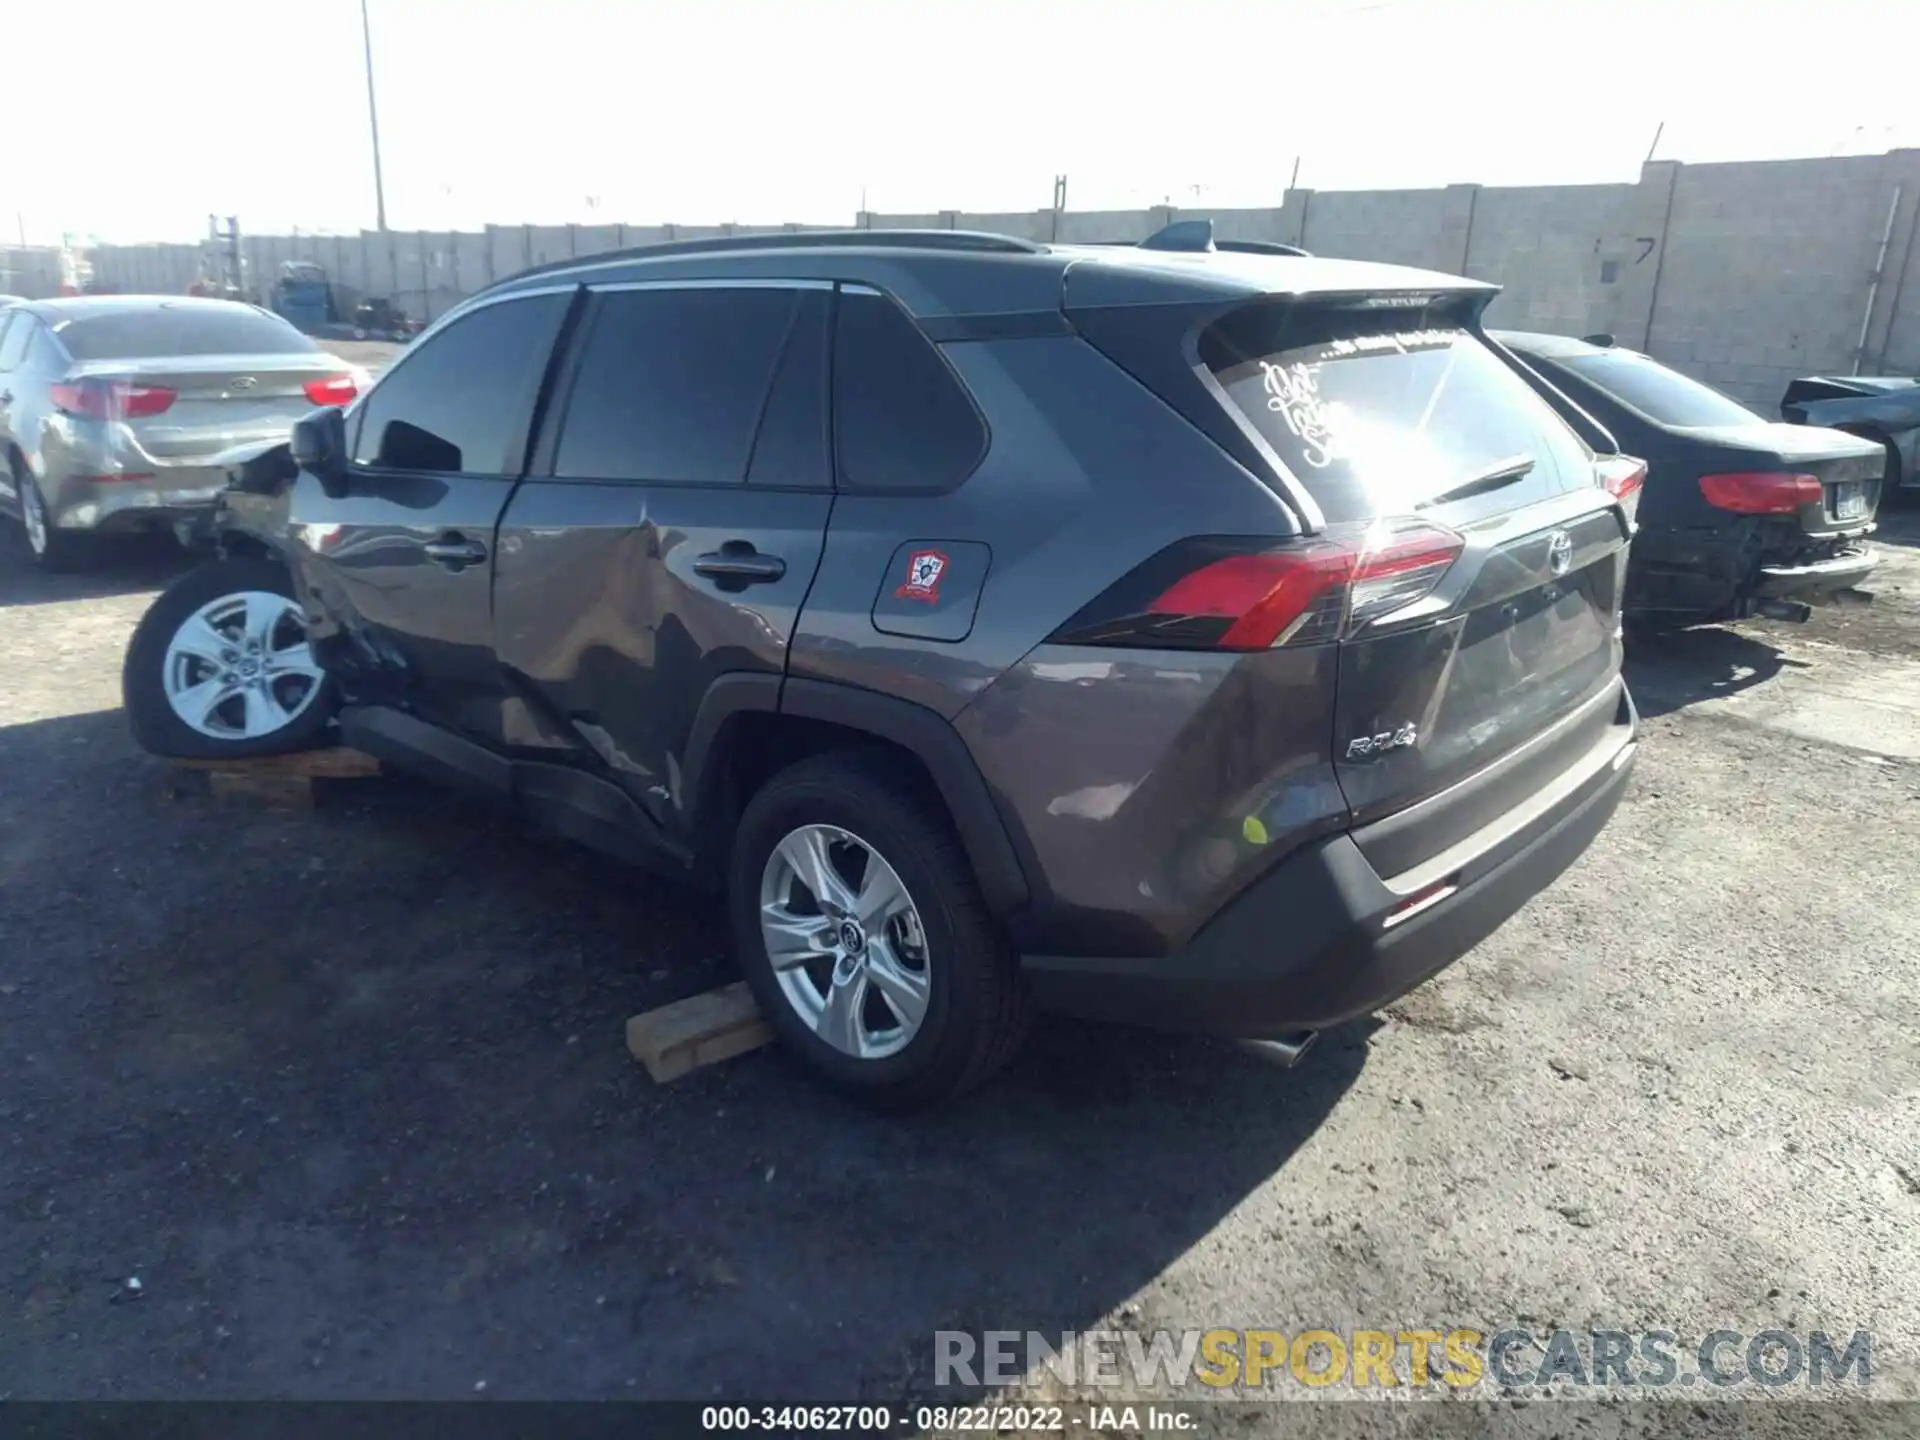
{"x": 113, "y": 409}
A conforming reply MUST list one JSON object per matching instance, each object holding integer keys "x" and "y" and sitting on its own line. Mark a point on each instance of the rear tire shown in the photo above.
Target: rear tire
{"x": 219, "y": 668}
{"x": 49, "y": 549}
{"x": 938, "y": 943}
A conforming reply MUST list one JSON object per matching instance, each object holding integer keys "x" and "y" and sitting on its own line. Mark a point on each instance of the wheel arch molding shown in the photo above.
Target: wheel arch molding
{"x": 728, "y": 724}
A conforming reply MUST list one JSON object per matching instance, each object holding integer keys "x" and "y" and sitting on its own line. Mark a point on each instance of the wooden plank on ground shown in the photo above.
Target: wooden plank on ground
{"x": 336, "y": 762}
{"x": 283, "y": 782}
{"x": 700, "y": 1030}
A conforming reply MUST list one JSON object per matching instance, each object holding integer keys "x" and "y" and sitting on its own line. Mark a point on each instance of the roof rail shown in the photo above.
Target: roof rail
{"x": 970, "y": 241}
{"x": 1262, "y": 247}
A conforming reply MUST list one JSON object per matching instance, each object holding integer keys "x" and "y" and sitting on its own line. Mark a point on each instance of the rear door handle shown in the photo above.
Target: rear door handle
{"x": 738, "y": 563}
{"x": 456, "y": 552}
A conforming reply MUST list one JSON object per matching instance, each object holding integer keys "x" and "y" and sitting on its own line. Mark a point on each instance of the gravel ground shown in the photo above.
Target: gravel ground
{"x": 347, "y": 1093}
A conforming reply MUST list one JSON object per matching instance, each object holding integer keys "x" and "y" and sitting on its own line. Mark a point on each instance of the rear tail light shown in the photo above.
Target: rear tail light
{"x": 1231, "y": 594}
{"x": 111, "y": 399}
{"x": 1622, "y": 476}
{"x": 1761, "y": 492}
{"x": 332, "y": 390}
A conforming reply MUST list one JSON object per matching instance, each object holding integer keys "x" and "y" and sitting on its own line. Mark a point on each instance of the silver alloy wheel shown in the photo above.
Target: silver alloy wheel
{"x": 845, "y": 941}
{"x": 239, "y": 668}
{"x": 33, "y": 515}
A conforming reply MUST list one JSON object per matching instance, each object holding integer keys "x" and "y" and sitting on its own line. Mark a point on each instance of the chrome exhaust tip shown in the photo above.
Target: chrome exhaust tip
{"x": 1284, "y": 1052}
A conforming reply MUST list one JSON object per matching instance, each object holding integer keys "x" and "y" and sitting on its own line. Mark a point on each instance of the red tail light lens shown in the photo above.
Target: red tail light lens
{"x": 1225, "y": 594}
{"x": 111, "y": 399}
{"x": 1761, "y": 492}
{"x": 1621, "y": 476}
{"x": 332, "y": 390}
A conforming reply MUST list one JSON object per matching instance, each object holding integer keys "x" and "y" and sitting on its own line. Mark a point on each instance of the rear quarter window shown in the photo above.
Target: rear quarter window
{"x": 196, "y": 330}
{"x": 902, "y": 420}
{"x": 1382, "y": 411}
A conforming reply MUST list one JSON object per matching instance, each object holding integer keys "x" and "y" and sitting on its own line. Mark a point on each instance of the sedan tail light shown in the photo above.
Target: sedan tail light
{"x": 1761, "y": 492}
{"x": 1622, "y": 476}
{"x": 1244, "y": 594}
{"x": 111, "y": 399}
{"x": 332, "y": 390}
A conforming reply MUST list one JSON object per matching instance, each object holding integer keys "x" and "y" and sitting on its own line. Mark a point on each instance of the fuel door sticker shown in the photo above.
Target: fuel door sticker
{"x": 931, "y": 589}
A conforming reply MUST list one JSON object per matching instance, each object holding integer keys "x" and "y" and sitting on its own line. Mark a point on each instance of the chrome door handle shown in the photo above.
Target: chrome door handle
{"x": 740, "y": 567}
{"x": 455, "y": 552}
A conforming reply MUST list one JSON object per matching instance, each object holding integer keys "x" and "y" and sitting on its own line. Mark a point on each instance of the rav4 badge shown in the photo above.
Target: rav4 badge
{"x": 1364, "y": 746}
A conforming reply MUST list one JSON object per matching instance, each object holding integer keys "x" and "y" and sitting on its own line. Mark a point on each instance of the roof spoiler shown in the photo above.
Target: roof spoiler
{"x": 1195, "y": 237}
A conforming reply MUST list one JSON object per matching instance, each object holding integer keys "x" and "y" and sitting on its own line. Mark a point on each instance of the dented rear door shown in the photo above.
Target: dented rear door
{"x": 671, "y": 527}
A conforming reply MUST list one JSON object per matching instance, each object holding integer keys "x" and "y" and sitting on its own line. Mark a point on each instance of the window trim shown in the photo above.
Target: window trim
{"x": 840, "y": 483}
{"x": 529, "y": 405}
{"x": 546, "y": 447}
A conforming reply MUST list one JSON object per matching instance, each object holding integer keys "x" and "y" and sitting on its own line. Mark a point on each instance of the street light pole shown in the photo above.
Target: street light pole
{"x": 373, "y": 120}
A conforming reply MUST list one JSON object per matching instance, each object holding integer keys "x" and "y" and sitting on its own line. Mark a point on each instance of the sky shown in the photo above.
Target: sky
{"x": 549, "y": 111}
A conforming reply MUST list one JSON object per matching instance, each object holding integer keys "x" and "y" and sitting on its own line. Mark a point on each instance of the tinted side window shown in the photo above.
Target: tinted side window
{"x": 15, "y": 331}
{"x": 460, "y": 401}
{"x": 672, "y": 383}
{"x": 901, "y": 419}
{"x": 794, "y": 449}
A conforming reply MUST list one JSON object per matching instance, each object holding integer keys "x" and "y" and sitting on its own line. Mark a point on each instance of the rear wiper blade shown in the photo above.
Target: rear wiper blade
{"x": 1501, "y": 472}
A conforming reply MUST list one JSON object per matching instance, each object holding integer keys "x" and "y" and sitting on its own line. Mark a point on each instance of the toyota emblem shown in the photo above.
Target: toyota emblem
{"x": 242, "y": 382}
{"x": 1559, "y": 552}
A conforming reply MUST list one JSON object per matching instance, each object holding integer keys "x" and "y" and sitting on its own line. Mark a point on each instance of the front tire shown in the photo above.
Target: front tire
{"x": 219, "y": 668}
{"x": 865, "y": 938}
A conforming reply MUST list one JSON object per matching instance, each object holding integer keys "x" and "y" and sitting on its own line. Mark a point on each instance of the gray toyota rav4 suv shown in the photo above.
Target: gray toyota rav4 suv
{"x": 1171, "y": 633}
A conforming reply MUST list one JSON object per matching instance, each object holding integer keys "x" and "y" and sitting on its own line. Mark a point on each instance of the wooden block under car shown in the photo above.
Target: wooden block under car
{"x": 700, "y": 1030}
{"x": 282, "y": 781}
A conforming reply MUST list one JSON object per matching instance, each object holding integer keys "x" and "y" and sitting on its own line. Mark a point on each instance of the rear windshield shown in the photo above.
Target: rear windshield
{"x": 1664, "y": 396}
{"x": 1378, "y": 412}
{"x": 140, "y": 334}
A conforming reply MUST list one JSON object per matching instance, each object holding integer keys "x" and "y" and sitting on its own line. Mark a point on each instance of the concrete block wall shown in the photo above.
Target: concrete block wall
{"x": 32, "y": 272}
{"x": 1766, "y": 269}
{"x": 1401, "y": 227}
{"x": 1743, "y": 275}
{"x": 1548, "y": 247}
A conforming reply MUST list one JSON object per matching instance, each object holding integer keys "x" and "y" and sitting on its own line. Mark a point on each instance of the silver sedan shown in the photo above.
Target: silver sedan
{"x": 112, "y": 408}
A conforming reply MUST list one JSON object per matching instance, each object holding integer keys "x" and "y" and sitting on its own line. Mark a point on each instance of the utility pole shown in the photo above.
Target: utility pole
{"x": 373, "y": 122}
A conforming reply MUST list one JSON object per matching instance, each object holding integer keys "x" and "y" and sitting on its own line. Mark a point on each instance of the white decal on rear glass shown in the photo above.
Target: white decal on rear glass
{"x": 1294, "y": 392}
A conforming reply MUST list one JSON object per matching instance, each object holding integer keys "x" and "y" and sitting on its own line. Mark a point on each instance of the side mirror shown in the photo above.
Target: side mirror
{"x": 320, "y": 447}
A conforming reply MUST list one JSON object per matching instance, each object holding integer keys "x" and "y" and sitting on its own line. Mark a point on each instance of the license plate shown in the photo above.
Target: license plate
{"x": 1849, "y": 501}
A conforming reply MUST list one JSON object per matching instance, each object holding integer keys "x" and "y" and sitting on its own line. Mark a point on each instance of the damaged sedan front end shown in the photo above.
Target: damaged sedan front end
{"x": 1881, "y": 408}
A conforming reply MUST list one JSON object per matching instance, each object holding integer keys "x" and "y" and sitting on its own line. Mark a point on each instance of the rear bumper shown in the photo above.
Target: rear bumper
{"x": 1713, "y": 570}
{"x": 177, "y": 496}
{"x": 1821, "y": 577}
{"x": 1313, "y": 943}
